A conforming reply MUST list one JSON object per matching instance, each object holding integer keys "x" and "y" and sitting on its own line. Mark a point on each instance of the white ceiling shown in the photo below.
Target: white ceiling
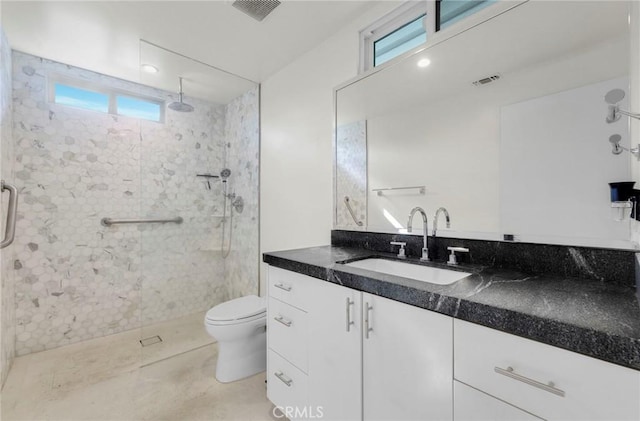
{"x": 104, "y": 36}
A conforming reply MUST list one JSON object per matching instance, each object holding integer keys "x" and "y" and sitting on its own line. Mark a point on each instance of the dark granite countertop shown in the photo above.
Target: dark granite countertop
{"x": 591, "y": 317}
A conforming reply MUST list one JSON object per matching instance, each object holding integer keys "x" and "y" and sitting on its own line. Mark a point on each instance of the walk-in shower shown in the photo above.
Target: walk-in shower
{"x": 114, "y": 232}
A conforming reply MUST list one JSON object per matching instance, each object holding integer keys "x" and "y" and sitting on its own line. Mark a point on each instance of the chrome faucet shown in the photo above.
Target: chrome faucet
{"x": 435, "y": 220}
{"x": 425, "y": 248}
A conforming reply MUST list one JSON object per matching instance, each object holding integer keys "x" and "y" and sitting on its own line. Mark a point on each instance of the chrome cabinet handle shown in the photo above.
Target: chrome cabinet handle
{"x": 283, "y": 287}
{"x": 349, "y": 321}
{"x": 367, "y": 323}
{"x": 284, "y": 379}
{"x": 10, "y": 230}
{"x": 549, "y": 387}
{"x": 282, "y": 320}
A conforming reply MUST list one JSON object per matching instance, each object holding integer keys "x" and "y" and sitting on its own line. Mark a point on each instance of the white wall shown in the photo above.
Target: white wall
{"x": 556, "y": 164}
{"x": 296, "y": 195}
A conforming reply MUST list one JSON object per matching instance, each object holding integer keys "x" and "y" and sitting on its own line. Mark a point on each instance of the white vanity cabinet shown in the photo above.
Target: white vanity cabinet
{"x": 549, "y": 382}
{"x": 407, "y": 362}
{"x": 400, "y": 368}
{"x": 335, "y": 351}
{"x": 288, "y": 341}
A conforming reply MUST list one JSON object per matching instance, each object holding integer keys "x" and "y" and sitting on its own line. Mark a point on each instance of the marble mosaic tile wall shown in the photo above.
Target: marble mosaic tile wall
{"x": 76, "y": 279}
{"x": 243, "y": 153}
{"x": 351, "y": 177}
{"x": 7, "y": 295}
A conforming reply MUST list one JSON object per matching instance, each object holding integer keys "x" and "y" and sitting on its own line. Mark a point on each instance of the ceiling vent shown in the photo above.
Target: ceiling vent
{"x": 486, "y": 80}
{"x": 257, "y": 9}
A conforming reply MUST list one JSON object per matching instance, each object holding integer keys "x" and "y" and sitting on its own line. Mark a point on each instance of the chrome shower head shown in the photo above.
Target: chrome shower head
{"x": 615, "y": 139}
{"x": 225, "y": 173}
{"x": 180, "y": 105}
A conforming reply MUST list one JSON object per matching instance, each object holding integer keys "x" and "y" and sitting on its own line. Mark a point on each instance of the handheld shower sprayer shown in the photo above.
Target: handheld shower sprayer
{"x": 613, "y": 97}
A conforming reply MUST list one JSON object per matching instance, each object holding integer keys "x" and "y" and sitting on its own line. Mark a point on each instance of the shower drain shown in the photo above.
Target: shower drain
{"x": 151, "y": 340}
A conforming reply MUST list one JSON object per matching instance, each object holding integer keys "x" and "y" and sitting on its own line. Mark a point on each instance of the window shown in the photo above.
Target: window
{"x": 81, "y": 98}
{"x": 409, "y": 26}
{"x": 138, "y": 108}
{"x": 394, "y": 34}
{"x": 449, "y": 12}
{"x": 399, "y": 41}
{"x": 80, "y": 94}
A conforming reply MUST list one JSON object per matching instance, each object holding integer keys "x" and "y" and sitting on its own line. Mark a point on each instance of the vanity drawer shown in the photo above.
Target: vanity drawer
{"x": 292, "y": 288}
{"x": 288, "y": 330}
{"x": 286, "y": 385}
{"x": 470, "y": 404}
{"x": 518, "y": 371}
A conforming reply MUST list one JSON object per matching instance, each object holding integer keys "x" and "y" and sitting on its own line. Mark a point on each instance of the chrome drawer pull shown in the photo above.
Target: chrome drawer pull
{"x": 550, "y": 387}
{"x": 282, "y": 320}
{"x": 283, "y": 287}
{"x": 284, "y": 379}
{"x": 349, "y": 321}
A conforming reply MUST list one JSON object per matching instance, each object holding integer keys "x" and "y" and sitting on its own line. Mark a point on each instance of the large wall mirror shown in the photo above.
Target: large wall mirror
{"x": 505, "y": 129}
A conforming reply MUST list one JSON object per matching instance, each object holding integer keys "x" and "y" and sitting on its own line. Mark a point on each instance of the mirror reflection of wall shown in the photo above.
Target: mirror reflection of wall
{"x": 525, "y": 154}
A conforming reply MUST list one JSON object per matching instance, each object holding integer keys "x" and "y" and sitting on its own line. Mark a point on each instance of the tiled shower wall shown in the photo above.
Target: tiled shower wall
{"x": 351, "y": 174}
{"x": 76, "y": 279}
{"x": 242, "y": 134}
{"x": 7, "y": 296}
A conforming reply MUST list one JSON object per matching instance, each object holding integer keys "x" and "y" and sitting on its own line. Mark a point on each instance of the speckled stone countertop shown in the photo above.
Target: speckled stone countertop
{"x": 593, "y": 318}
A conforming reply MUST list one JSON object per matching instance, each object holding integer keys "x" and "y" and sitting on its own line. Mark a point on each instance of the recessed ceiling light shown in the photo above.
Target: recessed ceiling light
{"x": 424, "y": 62}
{"x": 149, "y": 68}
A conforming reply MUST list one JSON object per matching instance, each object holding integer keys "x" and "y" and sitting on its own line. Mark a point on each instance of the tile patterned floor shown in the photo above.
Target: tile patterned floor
{"x": 114, "y": 378}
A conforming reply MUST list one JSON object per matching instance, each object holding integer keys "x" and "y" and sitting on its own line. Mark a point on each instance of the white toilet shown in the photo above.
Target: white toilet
{"x": 239, "y": 326}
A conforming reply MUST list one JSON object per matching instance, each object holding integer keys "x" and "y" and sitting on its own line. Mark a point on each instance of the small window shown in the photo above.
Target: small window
{"x": 81, "y": 98}
{"x": 451, "y": 11}
{"x": 409, "y": 26}
{"x": 396, "y": 33}
{"x": 399, "y": 41}
{"x": 138, "y": 108}
{"x": 88, "y": 96}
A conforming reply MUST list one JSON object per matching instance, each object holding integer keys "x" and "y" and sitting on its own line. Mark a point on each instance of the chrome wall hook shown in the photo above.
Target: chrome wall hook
{"x": 615, "y": 139}
{"x": 613, "y": 97}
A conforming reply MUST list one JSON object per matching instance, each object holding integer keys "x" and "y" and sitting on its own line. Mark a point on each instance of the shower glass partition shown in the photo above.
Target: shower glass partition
{"x": 196, "y": 164}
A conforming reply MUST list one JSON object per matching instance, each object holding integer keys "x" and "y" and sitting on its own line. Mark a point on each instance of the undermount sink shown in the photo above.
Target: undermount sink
{"x": 410, "y": 270}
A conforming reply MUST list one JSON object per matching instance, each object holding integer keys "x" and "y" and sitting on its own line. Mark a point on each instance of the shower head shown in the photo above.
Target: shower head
{"x": 615, "y": 139}
{"x": 225, "y": 173}
{"x": 180, "y": 106}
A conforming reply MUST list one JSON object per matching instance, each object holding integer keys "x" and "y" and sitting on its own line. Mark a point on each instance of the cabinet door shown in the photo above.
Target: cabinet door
{"x": 407, "y": 362}
{"x": 472, "y": 405}
{"x": 335, "y": 349}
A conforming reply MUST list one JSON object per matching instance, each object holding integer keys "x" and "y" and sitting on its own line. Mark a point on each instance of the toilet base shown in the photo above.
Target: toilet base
{"x": 241, "y": 359}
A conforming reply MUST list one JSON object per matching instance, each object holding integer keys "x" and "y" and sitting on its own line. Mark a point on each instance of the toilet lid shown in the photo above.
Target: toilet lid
{"x": 239, "y": 308}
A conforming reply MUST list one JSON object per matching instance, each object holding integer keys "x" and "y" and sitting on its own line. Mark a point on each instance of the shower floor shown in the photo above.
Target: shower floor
{"x": 115, "y": 378}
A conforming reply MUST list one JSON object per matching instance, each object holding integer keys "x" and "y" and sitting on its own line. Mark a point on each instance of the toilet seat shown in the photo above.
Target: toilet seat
{"x": 239, "y": 310}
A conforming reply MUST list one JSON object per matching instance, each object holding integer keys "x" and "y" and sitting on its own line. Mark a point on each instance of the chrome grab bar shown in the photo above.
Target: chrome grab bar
{"x": 549, "y": 387}
{"x": 353, "y": 214}
{"x": 109, "y": 221}
{"x": 10, "y": 230}
{"x": 421, "y": 189}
